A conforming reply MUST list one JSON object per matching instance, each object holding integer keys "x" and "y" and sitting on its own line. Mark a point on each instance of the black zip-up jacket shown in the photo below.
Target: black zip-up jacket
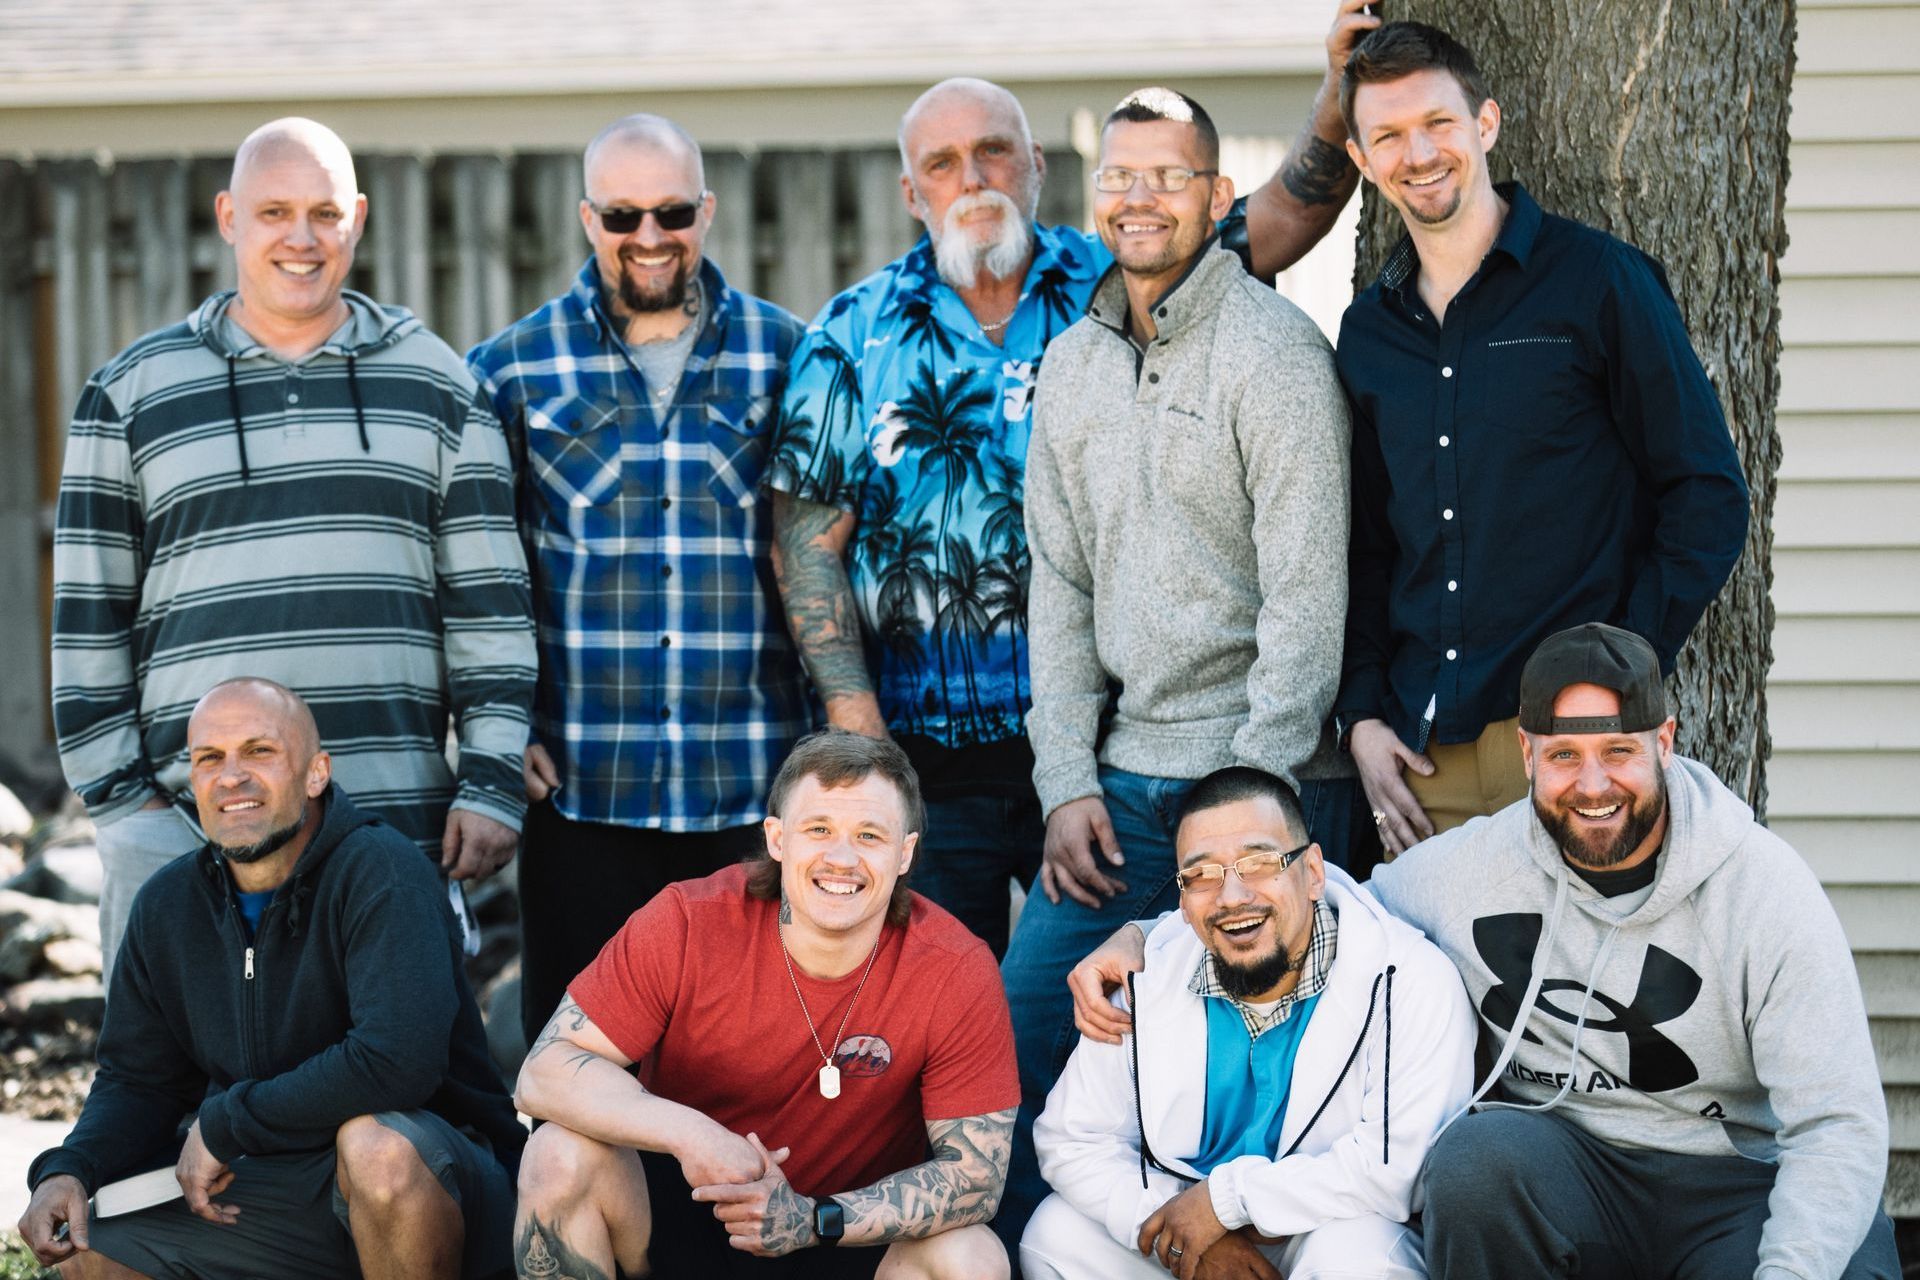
{"x": 350, "y": 999}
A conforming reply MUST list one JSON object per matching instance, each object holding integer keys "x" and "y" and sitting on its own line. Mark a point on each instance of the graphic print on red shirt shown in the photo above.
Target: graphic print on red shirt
{"x": 695, "y": 988}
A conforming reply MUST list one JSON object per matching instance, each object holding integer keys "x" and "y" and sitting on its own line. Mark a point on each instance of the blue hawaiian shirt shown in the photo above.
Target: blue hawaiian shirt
{"x": 901, "y": 410}
{"x": 669, "y": 691}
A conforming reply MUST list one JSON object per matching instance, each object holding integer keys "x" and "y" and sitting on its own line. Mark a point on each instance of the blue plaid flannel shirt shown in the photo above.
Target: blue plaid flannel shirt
{"x": 669, "y": 690}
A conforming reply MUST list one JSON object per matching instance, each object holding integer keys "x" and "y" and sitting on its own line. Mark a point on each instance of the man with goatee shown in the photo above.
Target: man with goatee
{"x": 638, "y": 405}
{"x": 297, "y": 983}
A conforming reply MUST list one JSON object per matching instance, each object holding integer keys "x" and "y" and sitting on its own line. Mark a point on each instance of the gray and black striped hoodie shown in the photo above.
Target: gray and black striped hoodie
{"x": 342, "y": 523}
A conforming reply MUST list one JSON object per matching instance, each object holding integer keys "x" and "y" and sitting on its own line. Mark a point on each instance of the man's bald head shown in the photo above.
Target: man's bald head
{"x": 294, "y": 138}
{"x": 270, "y": 703}
{"x": 964, "y": 89}
{"x": 643, "y": 132}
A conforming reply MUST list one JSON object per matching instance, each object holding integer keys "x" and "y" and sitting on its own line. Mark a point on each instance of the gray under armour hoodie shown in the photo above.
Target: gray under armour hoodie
{"x": 1724, "y": 1016}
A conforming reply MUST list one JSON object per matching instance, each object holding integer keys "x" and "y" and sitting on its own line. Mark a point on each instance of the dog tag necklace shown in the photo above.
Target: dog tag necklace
{"x": 829, "y": 1074}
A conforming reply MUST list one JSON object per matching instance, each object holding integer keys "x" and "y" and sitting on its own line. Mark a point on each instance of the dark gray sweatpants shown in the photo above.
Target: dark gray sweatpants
{"x": 1515, "y": 1195}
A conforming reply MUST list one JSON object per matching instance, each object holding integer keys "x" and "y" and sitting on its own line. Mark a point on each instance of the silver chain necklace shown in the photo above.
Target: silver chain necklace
{"x": 829, "y": 1074}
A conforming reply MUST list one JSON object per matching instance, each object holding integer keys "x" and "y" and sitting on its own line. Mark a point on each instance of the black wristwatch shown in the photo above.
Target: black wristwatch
{"x": 829, "y": 1221}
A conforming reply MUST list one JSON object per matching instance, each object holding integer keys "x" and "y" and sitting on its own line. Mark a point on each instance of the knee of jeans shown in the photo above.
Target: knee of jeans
{"x": 1483, "y": 1156}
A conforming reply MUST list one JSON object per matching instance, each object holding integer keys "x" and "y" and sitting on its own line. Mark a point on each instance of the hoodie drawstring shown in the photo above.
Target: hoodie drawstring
{"x": 239, "y": 423}
{"x": 359, "y": 409}
{"x": 1386, "y": 1078}
{"x": 1373, "y": 1000}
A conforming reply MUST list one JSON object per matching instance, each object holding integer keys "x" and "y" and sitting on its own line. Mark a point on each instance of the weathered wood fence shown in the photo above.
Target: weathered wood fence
{"x": 93, "y": 253}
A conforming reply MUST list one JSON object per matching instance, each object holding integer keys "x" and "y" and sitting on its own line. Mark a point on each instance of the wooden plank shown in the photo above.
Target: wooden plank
{"x": 1903, "y": 1116}
{"x": 213, "y": 263}
{"x": 1810, "y": 582}
{"x": 1827, "y": 175}
{"x": 480, "y": 285}
{"x": 23, "y": 645}
{"x": 1851, "y": 242}
{"x": 1855, "y": 850}
{"x": 1877, "y": 917}
{"x": 1890, "y": 981}
{"x": 1866, "y": 784}
{"x": 161, "y": 241}
{"x": 1896, "y": 1045}
{"x": 730, "y": 241}
{"x": 1853, "y": 310}
{"x": 550, "y": 185}
{"x": 1829, "y": 513}
{"x": 1872, "y": 446}
{"x": 1846, "y": 41}
{"x": 397, "y": 214}
{"x": 1859, "y": 649}
{"x": 883, "y": 229}
{"x": 1838, "y": 717}
{"x": 798, "y": 252}
{"x": 1849, "y": 379}
{"x": 1903, "y": 1184}
{"x": 1847, "y": 108}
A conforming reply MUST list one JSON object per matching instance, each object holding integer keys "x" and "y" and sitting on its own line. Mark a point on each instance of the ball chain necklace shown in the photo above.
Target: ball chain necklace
{"x": 829, "y": 1074}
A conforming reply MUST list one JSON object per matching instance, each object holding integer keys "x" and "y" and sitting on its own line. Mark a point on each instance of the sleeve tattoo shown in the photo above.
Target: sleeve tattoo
{"x": 819, "y": 598}
{"x": 958, "y": 1186}
{"x": 1320, "y": 173}
{"x": 553, "y": 1037}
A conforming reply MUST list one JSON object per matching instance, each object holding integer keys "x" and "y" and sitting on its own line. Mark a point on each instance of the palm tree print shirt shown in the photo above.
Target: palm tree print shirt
{"x": 900, "y": 409}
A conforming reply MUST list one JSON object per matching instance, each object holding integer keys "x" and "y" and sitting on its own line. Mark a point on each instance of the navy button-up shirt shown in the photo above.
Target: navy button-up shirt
{"x": 1552, "y": 454}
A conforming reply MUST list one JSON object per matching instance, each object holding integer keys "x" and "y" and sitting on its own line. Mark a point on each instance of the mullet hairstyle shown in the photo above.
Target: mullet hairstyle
{"x": 1242, "y": 782}
{"x": 1400, "y": 49}
{"x": 1143, "y": 106}
{"x": 840, "y": 758}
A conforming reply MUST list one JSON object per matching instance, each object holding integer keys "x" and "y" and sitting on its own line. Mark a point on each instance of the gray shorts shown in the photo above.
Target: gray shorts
{"x": 293, "y": 1219}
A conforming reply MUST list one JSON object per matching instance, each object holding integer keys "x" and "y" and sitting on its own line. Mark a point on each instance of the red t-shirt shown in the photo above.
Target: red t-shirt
{"x": 695, "y": 989}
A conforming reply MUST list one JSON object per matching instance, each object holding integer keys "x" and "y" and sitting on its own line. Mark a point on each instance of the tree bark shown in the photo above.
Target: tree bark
{"x": 1664, "y": 122}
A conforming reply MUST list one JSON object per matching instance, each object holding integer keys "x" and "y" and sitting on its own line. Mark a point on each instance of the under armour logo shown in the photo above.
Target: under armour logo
{"x": 1668, "y": 987}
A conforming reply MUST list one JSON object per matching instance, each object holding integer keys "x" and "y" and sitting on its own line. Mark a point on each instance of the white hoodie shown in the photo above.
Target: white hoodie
{"x": 1387, "y": 1058}
{"x": 1720, "y": 1016}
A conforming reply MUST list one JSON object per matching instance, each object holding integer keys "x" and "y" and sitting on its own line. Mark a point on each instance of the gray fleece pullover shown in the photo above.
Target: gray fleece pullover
{"x": 1187, "y": 514}
{"x": 1725, "y": 1016}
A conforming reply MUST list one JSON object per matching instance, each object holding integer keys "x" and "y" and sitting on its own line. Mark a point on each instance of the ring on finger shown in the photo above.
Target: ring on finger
{"x": 1175, "y": 1251}
{"x": 1379, "y": 817}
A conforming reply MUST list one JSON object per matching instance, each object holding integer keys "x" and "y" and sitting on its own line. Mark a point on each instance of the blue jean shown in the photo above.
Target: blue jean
{"x": 1053, "y": 937}
{"x": 972, "y": 847}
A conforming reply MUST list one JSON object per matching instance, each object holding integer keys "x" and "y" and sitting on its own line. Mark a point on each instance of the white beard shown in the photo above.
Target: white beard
{"x": 961, "y": 258}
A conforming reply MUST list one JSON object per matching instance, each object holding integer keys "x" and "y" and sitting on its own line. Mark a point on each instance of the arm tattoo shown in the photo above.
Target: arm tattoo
{"x": 819, "y": 598}
{"x": 960, "y": 1185}
{"x": 787, "y": 1225}
{"x": 568, "y": 1017}
{"x": 1318, "y": 172}
{"x": 541, "y": 1254}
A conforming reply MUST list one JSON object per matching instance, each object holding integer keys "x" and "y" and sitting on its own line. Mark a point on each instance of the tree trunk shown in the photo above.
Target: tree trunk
{"x": 1664, "y": 122}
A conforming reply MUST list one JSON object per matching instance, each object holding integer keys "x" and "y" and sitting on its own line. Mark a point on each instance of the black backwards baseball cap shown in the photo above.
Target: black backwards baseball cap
{"x": 1594, "y": 653}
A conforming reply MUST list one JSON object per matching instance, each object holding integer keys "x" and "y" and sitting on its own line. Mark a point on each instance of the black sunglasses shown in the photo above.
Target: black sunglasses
{"x": 624, "y": 220}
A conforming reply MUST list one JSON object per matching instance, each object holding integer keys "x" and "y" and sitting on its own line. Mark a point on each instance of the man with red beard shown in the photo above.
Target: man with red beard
{"x": 638, "y": 406}
{"x": 1681, "y": 1064}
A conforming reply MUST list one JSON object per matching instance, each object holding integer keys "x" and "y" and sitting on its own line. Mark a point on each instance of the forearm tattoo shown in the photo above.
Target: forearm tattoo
{"x": 959, "y": 1186}
{"x": 542, "y": 1254}
{"x": 1318, "y": 172}
{"x": 569, "y": 1017}
{"x": 787, "y": 1224}
{"x": 819, "y": 599}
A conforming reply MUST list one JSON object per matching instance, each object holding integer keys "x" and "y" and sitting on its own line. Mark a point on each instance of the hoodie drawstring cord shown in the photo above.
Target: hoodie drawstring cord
{"x": 1386, "y": 1078}
{"x": 239, "y": 423}
{"x": 1373, "y": 1000}
{"x": 359, "y": 409}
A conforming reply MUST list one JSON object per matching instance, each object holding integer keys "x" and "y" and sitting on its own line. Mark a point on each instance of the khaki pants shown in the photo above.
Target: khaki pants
{"x": 1472, "y": 779}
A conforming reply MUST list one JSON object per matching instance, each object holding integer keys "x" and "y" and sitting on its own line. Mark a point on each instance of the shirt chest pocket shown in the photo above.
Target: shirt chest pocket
{"x": 573, "y": 451}
{"x": 1530, "y": 386}
{"x": 737, "y": 432}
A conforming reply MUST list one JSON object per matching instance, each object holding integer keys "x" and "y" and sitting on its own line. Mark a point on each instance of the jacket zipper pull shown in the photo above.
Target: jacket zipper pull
{"x": 249, "y": 964}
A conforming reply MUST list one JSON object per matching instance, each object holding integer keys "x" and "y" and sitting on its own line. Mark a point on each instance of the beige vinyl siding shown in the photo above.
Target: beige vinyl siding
{"x": 1844, "y": 696}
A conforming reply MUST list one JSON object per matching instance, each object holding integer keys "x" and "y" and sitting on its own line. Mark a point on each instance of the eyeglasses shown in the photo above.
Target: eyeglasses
{"x": 1206, "y": 879}
{"x": 1164, "y": 179}
{"x": 624, "y": 219}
